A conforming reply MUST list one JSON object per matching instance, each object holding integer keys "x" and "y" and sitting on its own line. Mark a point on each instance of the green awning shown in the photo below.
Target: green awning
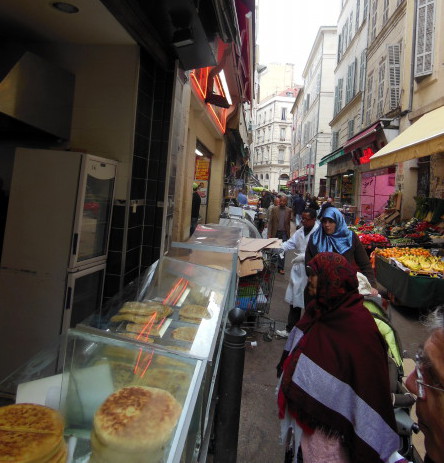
{"x": 331, "y": 156}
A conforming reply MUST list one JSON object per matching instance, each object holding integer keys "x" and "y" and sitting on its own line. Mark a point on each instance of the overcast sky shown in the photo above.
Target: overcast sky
{"x": 287, "y": 29}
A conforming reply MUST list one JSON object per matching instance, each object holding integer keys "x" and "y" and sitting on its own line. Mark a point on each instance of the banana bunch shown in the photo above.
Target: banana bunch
{"x": 421, "y": 263}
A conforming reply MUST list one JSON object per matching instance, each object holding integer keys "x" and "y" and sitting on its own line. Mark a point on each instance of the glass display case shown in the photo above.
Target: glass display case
{"x": 180, "y": 308}
{"x": 107, "y": 378}
{"x": 215, "y": 245}
{"x": 164, "y": 331}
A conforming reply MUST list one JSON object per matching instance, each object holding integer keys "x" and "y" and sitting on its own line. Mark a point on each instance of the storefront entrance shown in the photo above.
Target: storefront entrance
{"x": 376, "y": 188}
{"x": 202, "y": 173}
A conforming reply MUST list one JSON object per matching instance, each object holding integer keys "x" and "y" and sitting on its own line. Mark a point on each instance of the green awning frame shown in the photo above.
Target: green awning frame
{"x": 332, "y": 156}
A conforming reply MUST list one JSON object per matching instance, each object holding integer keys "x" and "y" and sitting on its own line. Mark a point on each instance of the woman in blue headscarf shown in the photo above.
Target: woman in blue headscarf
{"x": 334, "y": 236}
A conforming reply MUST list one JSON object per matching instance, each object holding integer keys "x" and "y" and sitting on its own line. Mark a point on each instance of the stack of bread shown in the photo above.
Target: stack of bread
{"x": 143, "y": 319}
{"x": 31, "y": 433}
{"x": 134, "y": 425}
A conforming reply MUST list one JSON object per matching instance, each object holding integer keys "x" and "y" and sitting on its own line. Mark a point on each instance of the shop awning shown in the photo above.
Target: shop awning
{"x": 368, "y": 136}
{"x": 331, "y": 156}
{"x": 423, "y": 138}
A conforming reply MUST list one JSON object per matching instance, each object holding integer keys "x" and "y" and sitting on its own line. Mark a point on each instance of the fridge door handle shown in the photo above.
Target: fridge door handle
{"x": 75, "y": 240}
{"x": 68, "y": 298}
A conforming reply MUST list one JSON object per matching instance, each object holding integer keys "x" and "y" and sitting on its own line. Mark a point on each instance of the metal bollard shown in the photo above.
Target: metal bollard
{"x": 230, "y": 390}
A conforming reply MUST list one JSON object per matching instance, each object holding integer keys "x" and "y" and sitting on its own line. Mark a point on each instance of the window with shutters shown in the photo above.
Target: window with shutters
{"x": 334, "y": 140}
{"x": 350, "y": 28}
{"x": 369, "y": 103}
{"x": 335, "y": 105}
{"x": 374, "y": 19}
{"x": 339, "y": 47}
{"x": 362, "y": 70}
{"x": 385, "y": 12}
{"x": 351, "y": 128}
{"x": 381, "y": 84}
{"x": 307, "y": 102}
{"x": 365, "y": 11}
{"x": 394, "y": 55}
{"x": 425, "y": 27}
{"x": 350, "y": 84}
{"x": 358, "y": 6}
{"x": 340, "y": 86}
{"x": 345, "y": 36}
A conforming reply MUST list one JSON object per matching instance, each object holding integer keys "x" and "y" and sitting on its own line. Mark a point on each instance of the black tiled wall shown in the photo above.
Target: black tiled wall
{"x": 140, "y": 218}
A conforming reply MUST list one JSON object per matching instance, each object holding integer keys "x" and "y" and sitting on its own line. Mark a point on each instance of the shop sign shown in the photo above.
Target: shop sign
{"x": 199, "y": 80}
{"x": 367, "y": 153}
{"x": 202, "y": 176}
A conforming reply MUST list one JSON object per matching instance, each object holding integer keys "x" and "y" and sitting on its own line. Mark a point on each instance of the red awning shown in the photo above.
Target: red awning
{"x": 363, "y": 138}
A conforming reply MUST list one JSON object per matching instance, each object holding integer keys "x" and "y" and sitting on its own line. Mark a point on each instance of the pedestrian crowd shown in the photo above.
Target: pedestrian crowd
{"x": 334, "y": 390}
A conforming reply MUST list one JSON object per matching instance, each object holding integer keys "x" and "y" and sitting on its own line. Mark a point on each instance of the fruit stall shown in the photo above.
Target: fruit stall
{"x": 408, "y": 260}
{"x": 414, "y": 277}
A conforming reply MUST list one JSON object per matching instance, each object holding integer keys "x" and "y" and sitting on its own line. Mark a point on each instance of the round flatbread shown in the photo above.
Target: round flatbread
{"x": 30, "y": 433}
{"x": 184, "y": 333}
{"x": 136, "y": 419}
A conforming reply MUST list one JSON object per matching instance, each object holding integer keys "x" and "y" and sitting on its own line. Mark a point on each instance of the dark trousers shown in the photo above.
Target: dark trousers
{"x": 283, "y": 236}
{"x": 294, "y": 315}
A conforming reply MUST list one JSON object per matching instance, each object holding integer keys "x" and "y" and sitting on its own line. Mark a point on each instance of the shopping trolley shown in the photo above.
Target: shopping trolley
{"x": 254, "y": 296}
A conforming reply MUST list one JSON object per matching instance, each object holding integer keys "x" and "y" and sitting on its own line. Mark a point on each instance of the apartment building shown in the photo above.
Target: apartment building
{"x": 348, "y": 100}
{"x": 417, "y": 152}
{"x": 367, "y": 102}
{"x": 272, "y": 139}
{"x": 312, "y": 114}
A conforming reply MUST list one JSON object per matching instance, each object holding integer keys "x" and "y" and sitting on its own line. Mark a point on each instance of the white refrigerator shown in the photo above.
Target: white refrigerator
{"x": 55, "y": 248}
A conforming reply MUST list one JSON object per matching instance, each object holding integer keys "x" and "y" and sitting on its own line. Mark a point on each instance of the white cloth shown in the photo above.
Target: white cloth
{"x": 294, "y": 294}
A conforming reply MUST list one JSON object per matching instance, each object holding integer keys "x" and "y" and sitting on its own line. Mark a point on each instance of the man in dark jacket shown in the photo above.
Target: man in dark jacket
{"x": 265, "y": 200}
{"x": 298, "y": 207}
{"x": 279, "y": 226}
{"x": 195, "y": 208}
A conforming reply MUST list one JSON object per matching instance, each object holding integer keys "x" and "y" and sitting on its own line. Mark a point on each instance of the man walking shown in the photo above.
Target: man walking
{"x": 195, "y": 208}
{"x": 298, "y": 207}
{"x": 279, "y": 226}
{"x": 298, "y": 278}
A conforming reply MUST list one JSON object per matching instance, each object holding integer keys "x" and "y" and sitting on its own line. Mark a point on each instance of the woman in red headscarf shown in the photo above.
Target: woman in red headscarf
{"x": 334, "y": 389}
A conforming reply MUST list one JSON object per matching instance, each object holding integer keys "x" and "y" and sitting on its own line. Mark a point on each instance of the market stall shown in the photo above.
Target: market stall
{"x": 159, "y": 341}
{"x": 409, "y": 288}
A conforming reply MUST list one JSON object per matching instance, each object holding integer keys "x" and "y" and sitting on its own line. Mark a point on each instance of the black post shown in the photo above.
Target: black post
{"x": 230, "y": 390}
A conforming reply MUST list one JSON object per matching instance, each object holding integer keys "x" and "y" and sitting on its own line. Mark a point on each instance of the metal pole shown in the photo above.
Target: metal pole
{"x": 230, "y": 390}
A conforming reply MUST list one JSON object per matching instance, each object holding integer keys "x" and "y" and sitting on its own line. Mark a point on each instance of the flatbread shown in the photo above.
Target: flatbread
{"x": 103, "y": 454}
{"x": 30, "y": 433}
{"x": 174, "y": 381}
{"x": 137, "y": 337}
{"x": 31, "y": 418}
{"x": 146, "y": 308}
{"x": 193, "y": 313}
{"x": 136, "y": 419}
{"x": 165, "y": 361}
{"x": 142, "y": 317}
{"x": 184, "y": 333}
{"x": 139, "y": 327}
